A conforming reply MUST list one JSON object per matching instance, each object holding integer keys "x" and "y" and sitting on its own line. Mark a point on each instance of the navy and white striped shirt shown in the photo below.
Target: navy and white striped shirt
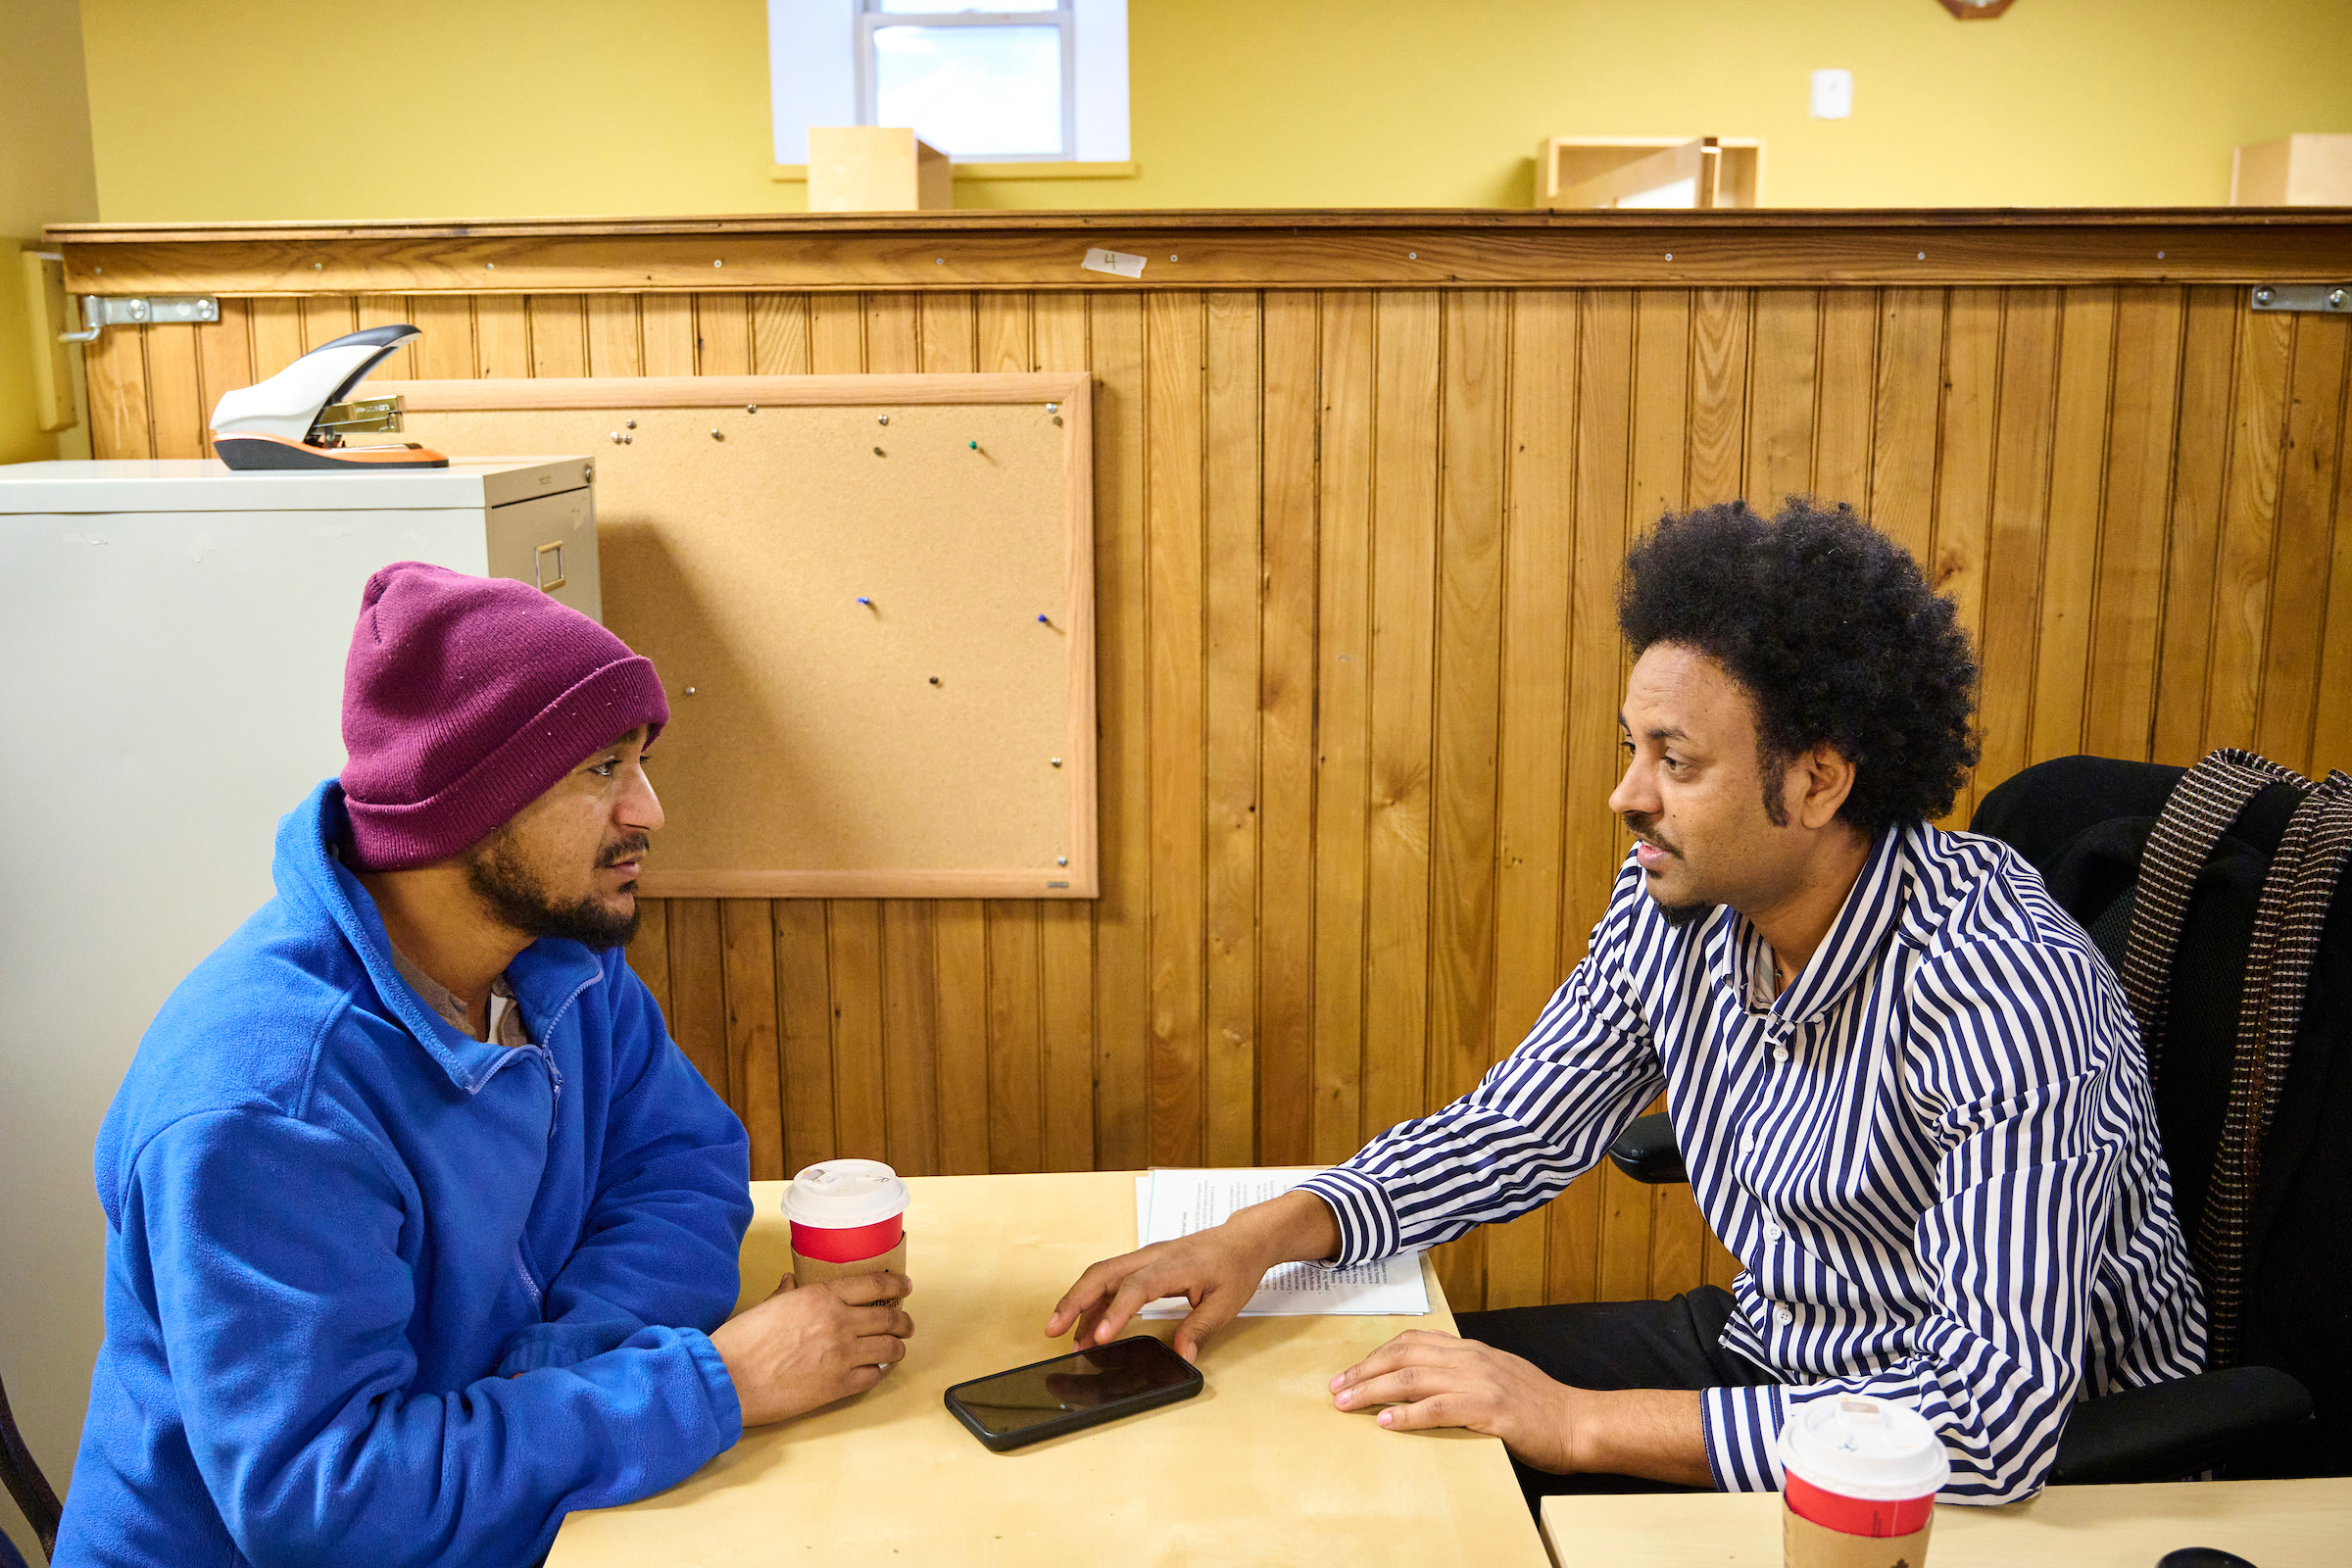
{"x": 1934, "y": 1153}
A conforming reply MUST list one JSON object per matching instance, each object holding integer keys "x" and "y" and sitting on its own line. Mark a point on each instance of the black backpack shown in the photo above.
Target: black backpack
{"x": 2211, "y": 892}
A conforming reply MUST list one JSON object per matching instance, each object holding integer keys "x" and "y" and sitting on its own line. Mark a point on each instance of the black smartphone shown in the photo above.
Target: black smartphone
{"x": 1046, "y": 1398}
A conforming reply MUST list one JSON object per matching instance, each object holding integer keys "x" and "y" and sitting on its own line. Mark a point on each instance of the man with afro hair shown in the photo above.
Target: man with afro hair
{"x": 1909, "y": 1095}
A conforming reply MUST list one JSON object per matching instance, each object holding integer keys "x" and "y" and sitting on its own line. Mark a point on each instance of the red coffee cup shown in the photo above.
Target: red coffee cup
{"x": 848, "y": 1216}
{"x": 1859, "y": 1477}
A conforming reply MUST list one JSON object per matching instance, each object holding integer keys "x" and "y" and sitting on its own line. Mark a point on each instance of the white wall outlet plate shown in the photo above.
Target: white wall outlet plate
{"x": 1833, "y": 94}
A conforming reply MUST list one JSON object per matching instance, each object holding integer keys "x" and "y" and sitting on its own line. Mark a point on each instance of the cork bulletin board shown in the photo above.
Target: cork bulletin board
{"x": 870, "y": 598}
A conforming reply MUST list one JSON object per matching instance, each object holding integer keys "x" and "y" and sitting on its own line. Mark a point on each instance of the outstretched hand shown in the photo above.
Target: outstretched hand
{"x": 1217, "y": 1273}
{"x": 1217, "y": 1270}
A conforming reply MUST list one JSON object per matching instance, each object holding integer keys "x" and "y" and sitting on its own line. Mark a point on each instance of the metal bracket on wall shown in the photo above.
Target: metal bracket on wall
{"x": 101, "y": 311}
{"x": 2334, "y": 298}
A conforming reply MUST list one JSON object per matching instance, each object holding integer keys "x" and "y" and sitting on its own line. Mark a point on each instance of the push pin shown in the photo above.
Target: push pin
{"x": 1042, "y": 621}
{"x": 690, "y": 691}
{"x": 877, "y": 452}
{"x": 1061, "y": 859}
{"x": 628, "y": 424}
{"x": 935, "y": 680}
{"x": 974, "y": 445}
{"x": 868, "y": 603}
{"x": 718, "y": 435}
{"x": 750, "y": 407}
{"x": 881, "y": 419}
{"x": 1056, "y": 762}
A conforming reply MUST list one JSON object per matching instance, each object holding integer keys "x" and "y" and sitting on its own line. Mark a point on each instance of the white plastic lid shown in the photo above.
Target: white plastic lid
{"x": 1858, "y": 1446}
{"x": 842, "y": 1193}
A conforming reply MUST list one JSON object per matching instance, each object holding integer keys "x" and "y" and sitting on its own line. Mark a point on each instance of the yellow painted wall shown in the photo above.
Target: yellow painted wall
{"x": 50, "y": 1298}
{"x": 280, "y": 109}
{"x": 46, "y": 176}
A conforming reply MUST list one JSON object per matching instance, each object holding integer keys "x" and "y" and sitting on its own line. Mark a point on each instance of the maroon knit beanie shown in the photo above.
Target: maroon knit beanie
{"x": 464, "y": 698}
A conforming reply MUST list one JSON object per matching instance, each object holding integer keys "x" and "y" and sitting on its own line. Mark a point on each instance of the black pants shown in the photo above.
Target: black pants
{"x": 1618, "y": 1344}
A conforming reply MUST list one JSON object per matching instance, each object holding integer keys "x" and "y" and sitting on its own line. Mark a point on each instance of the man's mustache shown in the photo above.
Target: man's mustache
{"x": 629, "y": 848}
{"x": 1645, "y": 827}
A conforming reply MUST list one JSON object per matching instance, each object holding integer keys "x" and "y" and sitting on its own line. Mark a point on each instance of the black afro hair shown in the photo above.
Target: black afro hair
{"x": 1837, "y": 640}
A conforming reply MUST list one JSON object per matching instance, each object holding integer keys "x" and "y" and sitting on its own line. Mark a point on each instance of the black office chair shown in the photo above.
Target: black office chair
{"x": 26, "y": 1484}
{"x": 2279, "y": 1298}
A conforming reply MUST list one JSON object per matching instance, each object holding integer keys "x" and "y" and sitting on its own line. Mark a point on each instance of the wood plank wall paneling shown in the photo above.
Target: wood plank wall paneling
{"x": 1357, "y": 553}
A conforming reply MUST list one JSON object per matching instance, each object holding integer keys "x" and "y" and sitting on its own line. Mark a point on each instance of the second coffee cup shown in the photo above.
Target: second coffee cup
{"x": 848, "y": 1216}
{"x": 1860, "y": 1478}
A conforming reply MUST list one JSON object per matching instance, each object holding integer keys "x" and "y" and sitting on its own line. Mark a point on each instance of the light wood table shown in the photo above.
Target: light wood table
{"x": 2272, "y": 1524}
{"x": 1257, "y": 1468}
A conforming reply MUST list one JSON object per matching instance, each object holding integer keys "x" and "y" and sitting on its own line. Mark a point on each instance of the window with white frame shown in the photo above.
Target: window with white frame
{"x": 982, "y": 80}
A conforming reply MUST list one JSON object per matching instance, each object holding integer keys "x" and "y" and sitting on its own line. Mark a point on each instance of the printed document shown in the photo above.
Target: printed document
{"x": 1169, "y": 1203}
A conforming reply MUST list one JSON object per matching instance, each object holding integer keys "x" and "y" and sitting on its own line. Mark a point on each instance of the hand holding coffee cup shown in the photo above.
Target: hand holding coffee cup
{"x": 1860, "y": 1478}
{"x": 834, "y": 1324}
{"x": 803, "y": 1348}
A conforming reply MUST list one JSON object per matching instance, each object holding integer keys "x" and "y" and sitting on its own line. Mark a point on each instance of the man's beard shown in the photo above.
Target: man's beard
{"x": 516, "y": 896}
{"x": 1678, "y": 916}
{"x": 1682, "y": 916}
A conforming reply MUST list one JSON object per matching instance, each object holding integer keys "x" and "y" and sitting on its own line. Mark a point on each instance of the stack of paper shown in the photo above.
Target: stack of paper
{"x": 1169, "y": 1203}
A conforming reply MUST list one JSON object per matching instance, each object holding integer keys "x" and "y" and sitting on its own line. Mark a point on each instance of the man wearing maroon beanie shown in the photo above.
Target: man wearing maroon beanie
{"x": 421, "y": 1232}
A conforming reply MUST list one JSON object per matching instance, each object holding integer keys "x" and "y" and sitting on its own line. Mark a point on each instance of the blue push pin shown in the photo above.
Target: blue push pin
{"x": 868, "y": 603}
{"x": 1042, "y": 621}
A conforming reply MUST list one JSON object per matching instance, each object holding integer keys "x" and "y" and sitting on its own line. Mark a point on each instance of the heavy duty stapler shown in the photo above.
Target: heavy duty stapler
{"x": 299, "y": 417}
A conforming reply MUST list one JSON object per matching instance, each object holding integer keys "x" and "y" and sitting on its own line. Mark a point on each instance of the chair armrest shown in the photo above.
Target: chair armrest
{"x": 24, "y": 1483}
{"x": 1646, "y": 1150}
{"x": 2170, "y": 1430}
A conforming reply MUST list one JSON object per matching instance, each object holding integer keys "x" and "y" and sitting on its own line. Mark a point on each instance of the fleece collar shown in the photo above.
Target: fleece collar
{"x": 547, "y": 976}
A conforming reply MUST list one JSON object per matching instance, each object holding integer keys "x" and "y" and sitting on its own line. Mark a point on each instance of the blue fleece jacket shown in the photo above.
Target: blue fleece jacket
{"x": 379, "y": 1293}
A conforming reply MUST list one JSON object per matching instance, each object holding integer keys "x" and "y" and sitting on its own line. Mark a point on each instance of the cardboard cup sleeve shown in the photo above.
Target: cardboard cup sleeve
{"x": 1806, "y": 1544}
{"x": 816, "y": 1270}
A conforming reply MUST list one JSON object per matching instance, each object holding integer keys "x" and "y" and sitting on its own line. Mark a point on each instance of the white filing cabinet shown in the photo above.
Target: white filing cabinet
{"x": 171, "y": 644}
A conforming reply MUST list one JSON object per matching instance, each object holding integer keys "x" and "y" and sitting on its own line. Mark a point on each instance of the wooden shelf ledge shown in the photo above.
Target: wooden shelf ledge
{"x": 1213, "y": 249}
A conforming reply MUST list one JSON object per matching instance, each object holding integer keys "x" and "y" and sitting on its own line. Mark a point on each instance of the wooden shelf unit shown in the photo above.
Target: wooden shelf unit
{"x": 2299, "y": 171}
{"x": 1605, "y": 171}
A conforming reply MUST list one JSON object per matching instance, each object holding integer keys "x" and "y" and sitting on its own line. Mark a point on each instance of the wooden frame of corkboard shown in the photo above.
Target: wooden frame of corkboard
{"x": 871, "y": 600}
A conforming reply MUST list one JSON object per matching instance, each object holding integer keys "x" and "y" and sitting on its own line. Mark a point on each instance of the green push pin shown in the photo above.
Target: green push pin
{"x": 974, "y": 445}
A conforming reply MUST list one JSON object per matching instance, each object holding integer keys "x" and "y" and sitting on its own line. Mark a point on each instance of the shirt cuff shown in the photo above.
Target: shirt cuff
{"x": 1368, "y": 1219}
{"x": 1742, "y": 1432}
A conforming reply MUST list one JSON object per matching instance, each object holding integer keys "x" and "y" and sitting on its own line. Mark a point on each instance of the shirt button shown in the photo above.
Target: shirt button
{"x": 1771, "y": 1227}
{"x": 1780, "y": 1053}
{"x": 1784, "y": 1315}
{"x": 1748, "y": 1141}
